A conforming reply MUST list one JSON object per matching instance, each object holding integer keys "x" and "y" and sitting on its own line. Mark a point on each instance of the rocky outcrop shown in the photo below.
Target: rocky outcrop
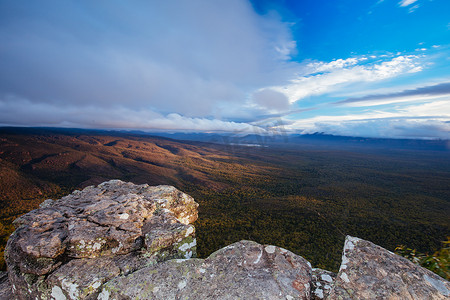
{"x": 243, "y": 270}
{"x": 370, "y": 272}
{"x": 71, "y": 246}
{"x": 124, "y": 241}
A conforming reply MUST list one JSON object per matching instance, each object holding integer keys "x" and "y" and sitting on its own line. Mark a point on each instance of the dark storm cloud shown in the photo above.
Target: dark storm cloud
{"x": 158, "y": 57}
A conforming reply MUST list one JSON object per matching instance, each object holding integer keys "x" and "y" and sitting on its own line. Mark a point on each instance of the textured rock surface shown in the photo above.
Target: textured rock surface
{"x": 73, "y": 245}
{"x": 5, "y": 286}
{"x": 370, "y": 272}
{"x": 322, "y": 283}
{"x": 243, "y": 270}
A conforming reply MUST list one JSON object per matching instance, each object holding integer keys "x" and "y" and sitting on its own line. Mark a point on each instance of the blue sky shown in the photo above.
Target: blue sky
{"x": 346, "y": 67}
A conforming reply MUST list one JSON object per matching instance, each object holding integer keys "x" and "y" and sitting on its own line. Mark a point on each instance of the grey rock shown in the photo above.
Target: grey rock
{"x": 243, "y": 270}
{"x": 71, "y": 246}
{"x": 369, "y": 271}
{"x": 46, "y": 203}
{"x": 322, "y": 283}
{"x": 5, "y": 286}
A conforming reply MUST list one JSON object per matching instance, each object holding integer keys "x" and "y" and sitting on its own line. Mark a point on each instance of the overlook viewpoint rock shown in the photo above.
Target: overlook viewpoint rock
{"x": 119, "y": 240}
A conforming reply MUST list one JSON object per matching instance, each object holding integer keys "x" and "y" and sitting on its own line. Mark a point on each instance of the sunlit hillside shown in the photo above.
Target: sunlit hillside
{"x": 300, "y": 198}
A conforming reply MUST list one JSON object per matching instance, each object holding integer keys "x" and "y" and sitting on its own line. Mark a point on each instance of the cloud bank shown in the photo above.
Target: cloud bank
{"x": 412, "y": 128}
{"x": 44, "y": 114}
{"x": 184, "y": 57}
{"x": 199, "y": 65}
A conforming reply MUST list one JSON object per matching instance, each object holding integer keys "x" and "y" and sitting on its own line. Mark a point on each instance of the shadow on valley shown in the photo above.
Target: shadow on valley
{"x": 300, "y": 195}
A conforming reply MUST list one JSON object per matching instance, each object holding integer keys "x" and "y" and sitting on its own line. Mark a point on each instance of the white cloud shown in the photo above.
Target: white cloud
{"x": 404, "y": 3}
{"x": 388, "y": 128}
{"x": 14, "y": 111}
{"x": 413, "y": 8}
{"x": 270, "y": 99}
{"x": 188, "y": 57}
{"x": 440, "y": 109}
{"x": 435, "y": 108}
{"x": 423, "y": 120}
{"x": 194, "y": 66}
{"x": 319, "y": 66}
{"x": 286, "y": 49}
{"x": 340, "y": 73}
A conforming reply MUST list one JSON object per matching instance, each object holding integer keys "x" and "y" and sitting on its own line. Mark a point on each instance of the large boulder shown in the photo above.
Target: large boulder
{"x": 369, "y": 271}
{"x": 71, "y": 246}
{"x": 243, "y": 270}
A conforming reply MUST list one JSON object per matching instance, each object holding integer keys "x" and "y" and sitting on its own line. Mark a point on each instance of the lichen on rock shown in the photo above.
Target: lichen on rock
{"x": 243, "y": 270}
{"x": 322, "y": 283}
{"x": 74, "y": 244}
{"x": 369, "y": 271}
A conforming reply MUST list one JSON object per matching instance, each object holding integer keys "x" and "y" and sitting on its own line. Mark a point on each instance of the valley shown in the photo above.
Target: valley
{"x": 301, "y": 195}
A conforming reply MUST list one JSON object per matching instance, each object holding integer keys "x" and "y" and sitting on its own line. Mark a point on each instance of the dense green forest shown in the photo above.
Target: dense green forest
{"x": 315, "y": 198}
{"x": 305, "y": 199}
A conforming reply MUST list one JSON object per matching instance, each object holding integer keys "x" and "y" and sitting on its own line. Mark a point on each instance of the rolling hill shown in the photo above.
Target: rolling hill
{"x": 301, "y": 196}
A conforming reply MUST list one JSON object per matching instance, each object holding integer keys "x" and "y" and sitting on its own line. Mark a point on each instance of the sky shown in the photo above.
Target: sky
{"x": 371, "y": 68}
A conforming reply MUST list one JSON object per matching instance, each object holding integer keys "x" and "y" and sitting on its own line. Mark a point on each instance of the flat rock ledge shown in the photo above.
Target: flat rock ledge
{"x": 124, "y": 241}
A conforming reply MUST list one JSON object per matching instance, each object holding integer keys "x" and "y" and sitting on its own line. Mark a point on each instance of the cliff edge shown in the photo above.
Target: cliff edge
{"x": 119, "y": 240}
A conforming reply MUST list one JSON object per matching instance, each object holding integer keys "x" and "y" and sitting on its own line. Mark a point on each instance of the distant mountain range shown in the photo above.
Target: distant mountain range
{"x": 281, "y": 140}
{"x": 316, "y": 139}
